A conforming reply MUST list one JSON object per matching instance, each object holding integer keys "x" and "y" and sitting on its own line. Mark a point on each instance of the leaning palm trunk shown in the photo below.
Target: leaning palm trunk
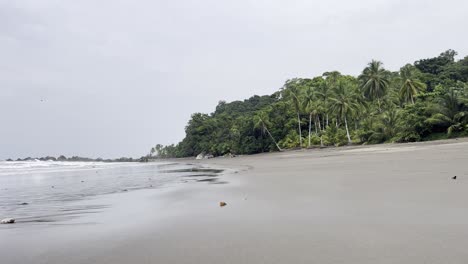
{"x": 299, "y": 127}
{"x": 268, "y": 131}
{"x": 347, "y": 130}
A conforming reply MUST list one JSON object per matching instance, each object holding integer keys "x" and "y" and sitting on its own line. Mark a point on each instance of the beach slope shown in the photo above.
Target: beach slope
{"x": 372, "y": 204}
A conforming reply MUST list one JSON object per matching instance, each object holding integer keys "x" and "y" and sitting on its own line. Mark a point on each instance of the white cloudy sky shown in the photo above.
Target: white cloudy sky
{"x": 114, "y": 77}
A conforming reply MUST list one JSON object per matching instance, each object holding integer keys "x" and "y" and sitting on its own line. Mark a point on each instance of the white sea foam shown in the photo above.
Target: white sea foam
{"x": 24, "y": 167}
{"x": 47, "y": 191}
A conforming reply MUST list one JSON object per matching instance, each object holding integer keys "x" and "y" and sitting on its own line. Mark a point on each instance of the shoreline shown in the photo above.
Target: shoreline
{"x": 325, "y": 148}
{"x": 359, "y": 204}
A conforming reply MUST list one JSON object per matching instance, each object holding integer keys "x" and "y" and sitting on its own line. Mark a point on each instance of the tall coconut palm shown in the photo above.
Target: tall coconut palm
{"x": 292, "y": 92}
{"x": 323, "y": 94}
{"x": 344, "y": 103}
{"x": 330, "y": 83}
{"x": 410, "y": 86}
{"x": 374, "y": 81}
{"x": 311, "y": 105}
{"x": 332, "y": 78}
{"x": 261, "y": 121}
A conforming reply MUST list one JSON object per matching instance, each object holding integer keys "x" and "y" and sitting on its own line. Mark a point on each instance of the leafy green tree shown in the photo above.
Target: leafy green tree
{"x": 436, "y": 65}
{"x": 457, "y": 71}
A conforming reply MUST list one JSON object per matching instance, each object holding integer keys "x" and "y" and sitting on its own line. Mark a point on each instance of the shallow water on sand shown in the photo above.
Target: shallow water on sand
{"x": 46, "y": 191}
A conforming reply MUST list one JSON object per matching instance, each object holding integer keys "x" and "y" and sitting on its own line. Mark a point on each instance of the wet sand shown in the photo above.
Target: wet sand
{"x": 372, "y": 204}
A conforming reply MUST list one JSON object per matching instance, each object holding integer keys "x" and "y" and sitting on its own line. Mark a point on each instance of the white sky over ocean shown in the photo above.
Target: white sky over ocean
{"x": 112, "y": 78}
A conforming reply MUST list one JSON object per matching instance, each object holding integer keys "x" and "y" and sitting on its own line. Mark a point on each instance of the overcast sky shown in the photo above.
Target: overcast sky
{"x": 111, "y": 78}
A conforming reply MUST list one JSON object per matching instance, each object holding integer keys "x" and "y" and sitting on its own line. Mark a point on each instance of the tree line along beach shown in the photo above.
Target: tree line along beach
{"x": 422, "y": 101}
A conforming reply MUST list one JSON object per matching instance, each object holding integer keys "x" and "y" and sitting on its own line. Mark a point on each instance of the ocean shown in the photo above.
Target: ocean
{"x": 37, "y": 192}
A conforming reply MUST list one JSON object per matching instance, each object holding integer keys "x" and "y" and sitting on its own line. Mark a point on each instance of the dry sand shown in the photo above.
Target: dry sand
{"x": 375, "y": 204}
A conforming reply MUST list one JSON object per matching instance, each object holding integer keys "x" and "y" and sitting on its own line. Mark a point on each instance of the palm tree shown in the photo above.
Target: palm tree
{"x": 344, "y": 103}
{"x": 332, "y": 78}
{"x": 311, "y": 105}
{"x": 451, "y": 113}
{"x": 330, "y": 83}
{"x": 411, "y": 86}
{"x": 261, "y": 121}
{"x": 323, "y": 94}
{"x": 293, "y": 93}
{"x": 374, "y": 81}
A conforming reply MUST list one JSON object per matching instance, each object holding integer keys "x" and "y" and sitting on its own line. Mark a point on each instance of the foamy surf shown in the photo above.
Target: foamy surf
{"x": 50, "y": 191}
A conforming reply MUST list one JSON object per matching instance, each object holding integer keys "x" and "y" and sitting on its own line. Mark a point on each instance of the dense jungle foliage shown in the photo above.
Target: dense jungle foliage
{"x": 423, "y": 101}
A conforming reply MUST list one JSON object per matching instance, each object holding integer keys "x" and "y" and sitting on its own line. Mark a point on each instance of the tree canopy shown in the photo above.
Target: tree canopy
{"x": 422, "y": 101}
